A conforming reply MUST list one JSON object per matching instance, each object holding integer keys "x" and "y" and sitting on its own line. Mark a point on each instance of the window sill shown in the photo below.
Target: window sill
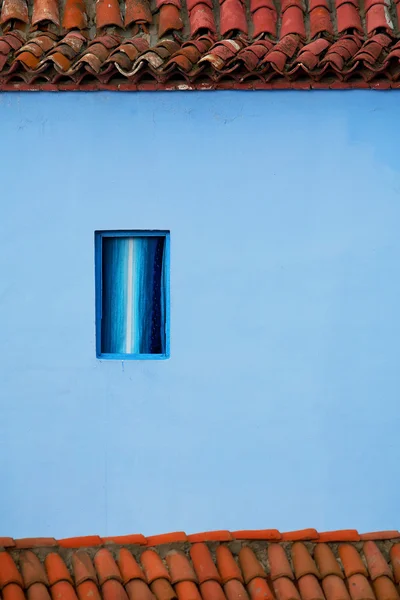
{"x": 105, "y": 356}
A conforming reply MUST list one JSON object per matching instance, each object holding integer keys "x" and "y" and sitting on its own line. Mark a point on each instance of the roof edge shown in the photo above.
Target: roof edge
{"x": 266, "y": 535}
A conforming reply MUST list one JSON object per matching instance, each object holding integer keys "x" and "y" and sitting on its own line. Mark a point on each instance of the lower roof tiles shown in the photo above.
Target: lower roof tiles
{"x": 244, "y": 565}
{"x": 199, "y": 44}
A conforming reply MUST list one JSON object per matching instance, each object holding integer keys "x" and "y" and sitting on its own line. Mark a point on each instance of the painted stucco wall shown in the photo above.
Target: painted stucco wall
{"x": 279, "y": 406}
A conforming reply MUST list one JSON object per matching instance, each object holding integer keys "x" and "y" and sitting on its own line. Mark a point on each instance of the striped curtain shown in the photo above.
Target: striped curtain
{"x": 133, "y": 298}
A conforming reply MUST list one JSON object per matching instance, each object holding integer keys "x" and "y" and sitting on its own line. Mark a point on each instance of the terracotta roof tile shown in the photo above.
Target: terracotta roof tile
{"x": 128, "y": 566}
{"x": 6, "y": 542}
{"x": 13, "y": 592}
{"x": 83, "y": 567}
{"x": 360, "y": 588}
{"x": 254, "y": 568}
{"x": 106, "y": 567}
{"x": 395, "y": 559}
{"x": 114, "y": 590}
{"x": 14, "y": 9}
{"x": 75, "y": 16}
{"x": 259, "y": 589}
{"x": 310, "y": 588}
{"x": 45, "y": 11}
{"x": 334, "y": 588}
{"x": 63, "y": 590}
{"x": 187, "y": 590}
{"x": 88, "y": 591}
{"x": 162, "y": 589}
{"x": 303, "y": 564}
{"x": 8, "y": 571}
{"x": 351, "y": 560}
{"x": 285, "y": 589}
{"x": 138, "y": 12}
{"x": 35, "y": 542}
{"x": 234, "y": 590}
{"x": 179, "y": 567}
{"x": 212, "y": 590}
{"x": 32, "y": 569}
{"x": 385, "y": 589}
{"x": 326, "y": 561}
{"x": 108, "y": 13}
{"x": 38, "y": 591}
{"x": 153, "y": 566}
{"x": 227, "y": 566}
{"x": 250, "y": 565}
{"x": 138, "y": 590}
{"x": 377, "y": 565}
{"x": 203, "y": 563}
{"x": 278, "y": 562}
{"x": 256, "y": 43}
{"x": 136, "y": 538}
{"x": 56, "y": 569}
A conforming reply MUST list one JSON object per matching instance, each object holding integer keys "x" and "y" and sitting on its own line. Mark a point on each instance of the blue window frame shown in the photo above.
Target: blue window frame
{"x": 132, "y": 294}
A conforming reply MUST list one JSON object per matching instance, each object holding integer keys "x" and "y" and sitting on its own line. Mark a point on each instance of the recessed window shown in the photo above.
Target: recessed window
{"x": 132, "y": 294}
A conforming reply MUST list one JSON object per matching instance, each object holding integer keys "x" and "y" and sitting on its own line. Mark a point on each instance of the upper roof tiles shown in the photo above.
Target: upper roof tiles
{"x": 259, "y": 43}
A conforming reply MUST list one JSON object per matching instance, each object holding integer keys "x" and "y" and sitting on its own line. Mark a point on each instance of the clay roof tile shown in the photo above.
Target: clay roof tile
{"x": 18, "y": 10}
{"x": 278, "y": 562}
{"x": 8, "y": 571}
{"x": 310, "y": 588}
{"x": 83, "y": 567}
{"x": 250, "y": 565}
{"x": 88, "y": 590}
{"x": 153, "y": 566}
{"x": 351, "y": 560}
{"x": 326, "y": 561}
{"x": 32, "y": 569}
{"x": 377, "y": 565}
{"x": 38, "y": 591}
{"x": 334, "y": 588}
{"x": 259, "y": 589}
{"x": 106, "y": 567}
{"x": 137, "y": 589}
{"x": 162, "y": 589}
{"x": 128, "y": 566}
{"x": 212, "y": 590}
{"x": 227, "y": 566}
{"x": 385, "y": 589}
{"x": 179, "y": 567}
{"x": 303, "y": 564}
{"x": 203, "y": 563}
{"x": 56, "y": 569}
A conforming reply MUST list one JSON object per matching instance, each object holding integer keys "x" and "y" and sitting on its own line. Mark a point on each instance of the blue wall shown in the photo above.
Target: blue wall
{"x": 279, "y": 406}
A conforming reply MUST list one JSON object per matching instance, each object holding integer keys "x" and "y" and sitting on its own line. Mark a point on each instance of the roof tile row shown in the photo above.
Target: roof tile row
{"x": 260, "y": 565}
{"x": 246, "y": 565}
{"x": 137, "y": 539}
{"x": 197, "y": 42}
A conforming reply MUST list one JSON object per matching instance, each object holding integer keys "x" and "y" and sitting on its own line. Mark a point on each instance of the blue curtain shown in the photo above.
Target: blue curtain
{"x": 133, "y": 295}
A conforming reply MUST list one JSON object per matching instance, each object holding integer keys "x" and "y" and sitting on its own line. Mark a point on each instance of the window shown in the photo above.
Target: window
{"x": 132, "y": 294}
